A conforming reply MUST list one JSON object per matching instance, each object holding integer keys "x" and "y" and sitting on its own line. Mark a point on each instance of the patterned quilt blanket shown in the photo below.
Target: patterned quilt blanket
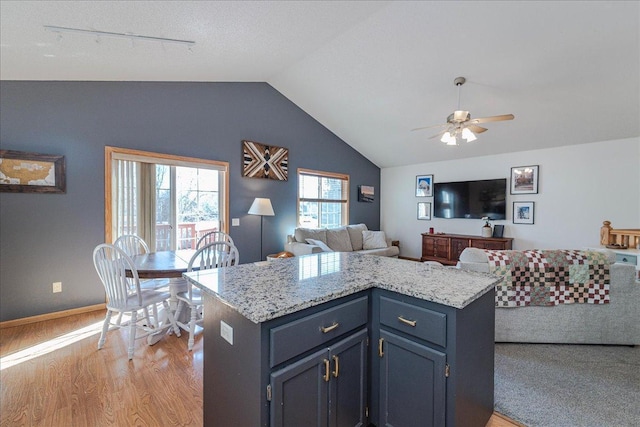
{"x": 550, "y": 277}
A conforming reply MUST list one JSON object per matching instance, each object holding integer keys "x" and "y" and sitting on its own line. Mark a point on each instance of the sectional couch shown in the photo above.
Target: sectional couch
{"x": 351, "y": 238}
{"x": 617, "y": 322}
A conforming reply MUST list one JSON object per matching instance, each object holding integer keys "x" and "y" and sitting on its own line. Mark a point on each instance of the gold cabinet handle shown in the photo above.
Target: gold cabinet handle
{"x": 327, "y": 369}
{"x": 407, "y": 322}
{"x": 336, "y": 362}
{"x": 380, "y": 352}
{"x": 326, "y": 329}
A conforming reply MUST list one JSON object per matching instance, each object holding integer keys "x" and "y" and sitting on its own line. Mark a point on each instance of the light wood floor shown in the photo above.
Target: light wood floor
{"x": 78, "y": 385}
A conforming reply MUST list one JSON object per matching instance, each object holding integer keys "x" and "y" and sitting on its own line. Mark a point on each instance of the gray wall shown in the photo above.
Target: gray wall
{"x": 46, "y": 238}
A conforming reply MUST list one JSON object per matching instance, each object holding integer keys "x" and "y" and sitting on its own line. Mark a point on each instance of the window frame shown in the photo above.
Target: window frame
{"x": 345, "y": 201}
{"x": 152, "y": 157}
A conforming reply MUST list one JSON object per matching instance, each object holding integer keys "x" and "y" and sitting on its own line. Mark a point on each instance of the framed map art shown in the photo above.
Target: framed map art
{"x": 22, "y": 172}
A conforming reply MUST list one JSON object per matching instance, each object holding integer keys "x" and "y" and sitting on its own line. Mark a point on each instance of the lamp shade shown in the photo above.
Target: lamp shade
{"x": 261, "y": 206}
{"x": 468, "y": 135}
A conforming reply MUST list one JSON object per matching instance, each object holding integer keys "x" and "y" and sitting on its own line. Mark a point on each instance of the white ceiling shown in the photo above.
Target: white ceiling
{"x": 369, "y": 71}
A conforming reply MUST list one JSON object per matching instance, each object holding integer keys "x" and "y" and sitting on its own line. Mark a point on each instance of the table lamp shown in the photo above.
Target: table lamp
{"x": 261, "y": 206}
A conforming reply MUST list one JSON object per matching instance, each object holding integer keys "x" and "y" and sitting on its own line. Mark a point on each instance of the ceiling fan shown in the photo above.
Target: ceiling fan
{"x": 460, "y": 124}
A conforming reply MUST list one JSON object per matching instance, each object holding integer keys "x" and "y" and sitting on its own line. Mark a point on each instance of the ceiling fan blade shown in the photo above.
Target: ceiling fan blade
{"x": 492, "y": 119}
{"x": 431, "y": 127}
{"x": 476, "y": 129}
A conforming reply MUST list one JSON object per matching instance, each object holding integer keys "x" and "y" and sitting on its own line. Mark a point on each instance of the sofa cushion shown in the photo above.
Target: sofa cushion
{"x": 302, "y": 234}
{"x": 373, "y": 240}
{"x": 389, "y": 251}
{"x": 319, "y": 243}
{"x": 338, "y": 239}
{"x": 355, "y": 235}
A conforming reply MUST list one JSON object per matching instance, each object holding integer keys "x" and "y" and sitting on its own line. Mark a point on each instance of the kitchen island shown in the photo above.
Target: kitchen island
{"x": 346, "y": 339}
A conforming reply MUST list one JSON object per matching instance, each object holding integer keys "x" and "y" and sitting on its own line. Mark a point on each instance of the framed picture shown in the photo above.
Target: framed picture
{"x": 424, "y": 210}
{"x": 264, "y": 161}
{"x": 424, "y": 186}
{"x": 498, "y": 230}
{"x": 365, "y": 193}
{"x": 22, "y": 172}
{"x": 523, "y": 212}
{"x": 524, "y": 179}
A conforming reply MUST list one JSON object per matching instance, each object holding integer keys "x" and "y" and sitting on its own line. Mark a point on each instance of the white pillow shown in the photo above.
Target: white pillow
{"x": 473, "y": 255}
{"x": 373, "y": 240}
{"x": 322, "y": 245}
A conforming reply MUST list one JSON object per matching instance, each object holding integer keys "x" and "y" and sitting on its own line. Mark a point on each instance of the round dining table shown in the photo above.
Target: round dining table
{"x": 164, "y": 265}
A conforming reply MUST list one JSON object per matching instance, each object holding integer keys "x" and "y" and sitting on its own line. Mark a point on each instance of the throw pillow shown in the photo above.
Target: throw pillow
{"x": 355, "y": 235}
{"x": 473, "y": 255}
{"x": 338, "y": 239}
{"x": 319, "y": 243}
{"x": 373, "y": 240}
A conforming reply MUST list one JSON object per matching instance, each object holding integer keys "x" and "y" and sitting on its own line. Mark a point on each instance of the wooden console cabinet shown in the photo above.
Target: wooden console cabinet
{"x": 446, "y": 248}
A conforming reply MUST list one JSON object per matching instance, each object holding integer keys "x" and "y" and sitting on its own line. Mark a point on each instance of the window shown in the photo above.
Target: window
{"x": 323, "y": 199}
{"x": 169, "y": 201}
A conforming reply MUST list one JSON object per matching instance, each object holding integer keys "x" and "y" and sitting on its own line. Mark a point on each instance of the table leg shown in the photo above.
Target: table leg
{"x": 176, "y": 285}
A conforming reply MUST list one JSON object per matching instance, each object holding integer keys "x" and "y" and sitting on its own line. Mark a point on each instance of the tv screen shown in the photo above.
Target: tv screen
{"x": 470, "y": 199}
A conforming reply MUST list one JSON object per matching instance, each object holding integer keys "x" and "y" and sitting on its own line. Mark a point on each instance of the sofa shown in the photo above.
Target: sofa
{"x": 350, "y": 238}
{"x": 615, "y": 322}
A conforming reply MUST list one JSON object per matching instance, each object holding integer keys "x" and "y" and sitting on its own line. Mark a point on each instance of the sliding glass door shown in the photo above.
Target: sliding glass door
{"x": 168, "y": 201}
{"x": 187, "y": 205}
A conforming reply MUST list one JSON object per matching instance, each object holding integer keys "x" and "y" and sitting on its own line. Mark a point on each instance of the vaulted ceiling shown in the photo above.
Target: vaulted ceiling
{"x": 369, "y": 71}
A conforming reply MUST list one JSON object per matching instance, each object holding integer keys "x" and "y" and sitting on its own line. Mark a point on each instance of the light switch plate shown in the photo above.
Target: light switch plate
{"x": 226, "y": 332}
{"x": 235, "y": 222}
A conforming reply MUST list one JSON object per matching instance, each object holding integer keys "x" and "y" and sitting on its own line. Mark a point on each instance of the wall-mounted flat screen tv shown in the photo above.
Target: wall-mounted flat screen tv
{"x": 470, "y": 199}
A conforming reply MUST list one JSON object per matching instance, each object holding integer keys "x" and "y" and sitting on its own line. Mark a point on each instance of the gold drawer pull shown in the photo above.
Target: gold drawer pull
{"x": 407, "y": 322}
{"x": 380, "y": 350}
{"x": 327, "y": 369}
{"x": 326, "y": 329}
{"x": 337, "y": 363}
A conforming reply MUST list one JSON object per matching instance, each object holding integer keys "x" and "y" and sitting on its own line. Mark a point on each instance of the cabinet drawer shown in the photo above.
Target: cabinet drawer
{"x": 627, "y": 259}
{"x": 294, "y": 338}
{"x": 420, "y": 322}
{"x": 489, "y": 244}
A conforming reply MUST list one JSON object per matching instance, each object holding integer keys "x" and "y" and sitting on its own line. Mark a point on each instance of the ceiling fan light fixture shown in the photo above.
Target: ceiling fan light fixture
{"x": 460, "y": 124}
{"x": 468, "y": 135}
{"x": 449, "y": 139}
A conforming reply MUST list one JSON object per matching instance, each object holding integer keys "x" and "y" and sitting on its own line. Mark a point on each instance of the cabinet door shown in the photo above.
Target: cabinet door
{"x": 457, "y": 246}
{"x": 300, "y": 392}
{"x": 348, "y": 385}
{"x": 412, "y": 383}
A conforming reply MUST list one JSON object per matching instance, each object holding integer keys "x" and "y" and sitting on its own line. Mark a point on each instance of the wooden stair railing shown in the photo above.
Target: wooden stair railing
{"x": 629, "y": 237}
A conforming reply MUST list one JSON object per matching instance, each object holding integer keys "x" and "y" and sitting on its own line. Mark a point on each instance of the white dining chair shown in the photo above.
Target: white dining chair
{"x": 125, "y": 295}
{"x": 213, "y": 255}
{"x": 214, "y": 236}
{"x": 134, "y": 245}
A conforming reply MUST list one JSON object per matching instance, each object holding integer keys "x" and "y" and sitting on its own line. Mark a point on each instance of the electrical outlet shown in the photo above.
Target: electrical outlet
{"x": 235, "y": 222}
{"x": 57, "y": 287}
{"x": 226, "y": 332}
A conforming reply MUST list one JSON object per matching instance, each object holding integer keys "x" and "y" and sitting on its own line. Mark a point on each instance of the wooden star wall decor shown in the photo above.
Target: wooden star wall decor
{"x": 264, "y": 161}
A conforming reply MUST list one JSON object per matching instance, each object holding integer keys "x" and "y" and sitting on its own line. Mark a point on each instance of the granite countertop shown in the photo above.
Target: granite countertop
{"x": 266, "y": 290}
